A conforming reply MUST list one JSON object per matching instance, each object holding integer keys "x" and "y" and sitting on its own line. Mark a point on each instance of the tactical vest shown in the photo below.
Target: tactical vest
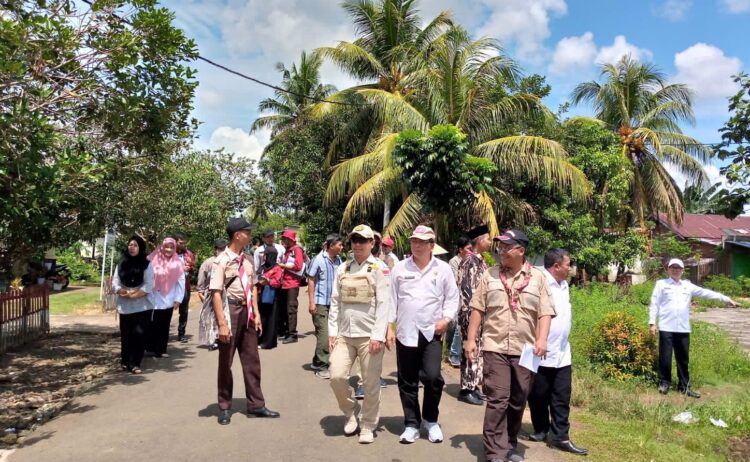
{"x": 357, "y": 288}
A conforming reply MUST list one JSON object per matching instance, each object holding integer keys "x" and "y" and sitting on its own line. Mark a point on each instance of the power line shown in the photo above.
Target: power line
{"x": 240, "y": 74}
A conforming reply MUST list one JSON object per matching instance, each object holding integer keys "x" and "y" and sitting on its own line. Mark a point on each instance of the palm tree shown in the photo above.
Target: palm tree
{"x": 714, "y": 200}
{"x": 303, "y": 89}
{"x": 455, "y": 84}
{"x": 636, "y": 102}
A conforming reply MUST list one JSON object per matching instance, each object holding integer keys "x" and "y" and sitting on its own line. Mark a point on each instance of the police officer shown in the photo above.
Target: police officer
{"x": 239, "y": 324}
{"x": 357, "y": 326}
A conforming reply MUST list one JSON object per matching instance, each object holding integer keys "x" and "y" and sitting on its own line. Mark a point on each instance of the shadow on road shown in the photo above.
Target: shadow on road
{"x": 239, "y": 405}
{"x": 473, "y": 443}
{"x": 38, "y": 436}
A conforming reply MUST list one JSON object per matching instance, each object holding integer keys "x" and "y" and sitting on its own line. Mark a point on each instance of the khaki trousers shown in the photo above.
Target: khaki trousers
{"x": 345, "y": 351}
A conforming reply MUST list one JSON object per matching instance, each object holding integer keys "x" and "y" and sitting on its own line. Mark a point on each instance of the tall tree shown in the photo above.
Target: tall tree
{"x": 85, "y": 91}
{"x": 636, "y": 102}
{"x": 456, "y": 84}
{"x": 302, "y": 88}
{"x": 735, "y": 142}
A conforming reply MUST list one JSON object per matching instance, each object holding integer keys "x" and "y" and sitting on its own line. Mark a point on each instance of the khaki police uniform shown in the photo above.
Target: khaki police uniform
{"x": 360, "y": 306}
{"x": 244, "y": 338}
{"x": 506, "y": 383}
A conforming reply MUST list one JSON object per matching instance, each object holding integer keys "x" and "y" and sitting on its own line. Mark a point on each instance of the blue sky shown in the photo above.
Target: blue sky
{"x": 695, "y": 42}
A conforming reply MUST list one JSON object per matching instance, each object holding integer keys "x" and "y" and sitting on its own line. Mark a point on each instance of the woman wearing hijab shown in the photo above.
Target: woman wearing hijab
{"x": 133, "y": 282}
{"x": 267, "y": 308}
{"x": 169, "y": 290}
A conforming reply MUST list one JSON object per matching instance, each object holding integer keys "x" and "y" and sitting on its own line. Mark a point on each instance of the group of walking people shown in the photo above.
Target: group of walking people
{"x": 372, "y": 302}
{"x": 149, "y": 288}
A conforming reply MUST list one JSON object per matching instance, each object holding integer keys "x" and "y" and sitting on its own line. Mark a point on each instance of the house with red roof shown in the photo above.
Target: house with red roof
{"x": 725, "y": 241}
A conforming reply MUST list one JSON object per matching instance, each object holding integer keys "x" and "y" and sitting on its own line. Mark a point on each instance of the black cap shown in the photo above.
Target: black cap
{"x": 514, "y": 236}
{"x": 220, "y": 243}
{"x": 238, "y": 224}
{"x": 478, "y": 231}
{"x": 268, "y": 233}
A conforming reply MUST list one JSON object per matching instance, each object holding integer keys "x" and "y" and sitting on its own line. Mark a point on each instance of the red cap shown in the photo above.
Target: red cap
{"x": 290, "y": 234}
{"x": 388, "y": 241}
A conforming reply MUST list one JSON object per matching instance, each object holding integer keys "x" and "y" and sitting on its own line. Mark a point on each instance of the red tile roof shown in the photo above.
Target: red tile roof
{"x": 710, "y": 227}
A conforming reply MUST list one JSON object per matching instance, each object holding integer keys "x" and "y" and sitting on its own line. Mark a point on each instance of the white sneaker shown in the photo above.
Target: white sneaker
{"x": 366, "y": 436}
{"x": 434, "y": 432}
{"x": 351, "y": 425}
{"x": 409, "y": 435}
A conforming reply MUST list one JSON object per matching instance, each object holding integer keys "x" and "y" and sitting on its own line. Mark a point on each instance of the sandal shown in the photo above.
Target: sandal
{"x": 136, "y": 370}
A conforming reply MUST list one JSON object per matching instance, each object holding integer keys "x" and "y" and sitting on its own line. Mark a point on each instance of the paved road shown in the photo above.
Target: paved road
{"x": 169, "y": 413}
{"x": 735, "y": 321}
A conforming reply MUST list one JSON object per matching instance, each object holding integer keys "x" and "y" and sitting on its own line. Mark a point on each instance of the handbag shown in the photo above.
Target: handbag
{"x": 268, "y": 295}
{"x": 208, "y": 328}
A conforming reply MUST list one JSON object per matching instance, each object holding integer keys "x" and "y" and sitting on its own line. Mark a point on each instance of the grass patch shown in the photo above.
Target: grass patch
{"x": 75, "y": 301}
{"x": 630, "y": 420}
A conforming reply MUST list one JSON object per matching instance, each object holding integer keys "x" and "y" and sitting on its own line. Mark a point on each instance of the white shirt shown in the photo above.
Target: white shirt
{"x": 166, "y": 301}
{"x": 421, "y": 298}
{"x": 558, "y": 348}
{"x": 670, "y": 303}
{"x": 258, "y": 255}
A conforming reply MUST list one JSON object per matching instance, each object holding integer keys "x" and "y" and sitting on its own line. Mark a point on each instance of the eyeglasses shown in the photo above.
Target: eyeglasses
{"x": 359, "y": 240}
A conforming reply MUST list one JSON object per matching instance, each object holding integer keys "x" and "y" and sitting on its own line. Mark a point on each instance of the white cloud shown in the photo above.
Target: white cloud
{"x": 674, "y": 10}
{"x": 619, "y": 48}
{"x": 736, "y": 6}
{"x": 573, "y": 53}
{"x": 240, "y": 142}
{"x": 708, "y": 71}
{"x": 524, "y": 23}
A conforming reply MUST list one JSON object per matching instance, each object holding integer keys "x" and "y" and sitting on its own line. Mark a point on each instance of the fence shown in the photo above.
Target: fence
{"x": 24, "y": 315}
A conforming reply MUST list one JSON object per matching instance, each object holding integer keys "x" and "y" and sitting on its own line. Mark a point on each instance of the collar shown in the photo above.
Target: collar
{"x": 673, "y": 282}
{"x": 429, "y": 265}
{"x": 551, "y": 279}
{"x": 230, "y": 254}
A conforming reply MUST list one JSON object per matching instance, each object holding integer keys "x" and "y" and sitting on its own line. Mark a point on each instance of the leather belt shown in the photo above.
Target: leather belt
{"x": 236, "y": 302}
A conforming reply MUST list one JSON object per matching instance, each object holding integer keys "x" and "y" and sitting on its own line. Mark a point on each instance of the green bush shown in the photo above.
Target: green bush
{"x": 730, "y": 287}
{"x": 80, "y": 269}
{"x": 622, "y": 349}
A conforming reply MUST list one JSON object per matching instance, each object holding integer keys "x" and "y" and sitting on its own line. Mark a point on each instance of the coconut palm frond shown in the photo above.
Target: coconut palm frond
{"x": 686, "y": 164}
{"x": 395, "y": 109}
{"x": 407, "y": 217}
{"x": 687, "y": 144}
{"x": 538, "y": 159}
{"x": 484, "y": 207}
{"x": 648, "y": 137}
{"x": 662, "y": 192}
{"x": 371, "y": 195}
{"x": 354, "y": 60}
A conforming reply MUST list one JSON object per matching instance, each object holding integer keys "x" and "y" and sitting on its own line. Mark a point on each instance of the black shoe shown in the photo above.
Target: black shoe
{"x": 480, "y": 395}
{"x": 182, "y": 339}
{"x": 213, "y": 346}
{"x": 224, "y": 417}
{"x": 290, "y": 339}
{"x": 262, "y": 412}
{"x": 359, "y": 392}
{"x": 663, "y": 388}
{"x": 568, "y": 446}
{"x": 538, "y": 437}
{"x": 469, "y": 397}
{"x": 690, "y": 393}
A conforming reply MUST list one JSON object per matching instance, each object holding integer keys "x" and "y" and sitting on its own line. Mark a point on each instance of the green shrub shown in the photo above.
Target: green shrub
{"x": 728, "y": 286}
{"x": 623, "y": 350}
{"x": 80, "y": 269}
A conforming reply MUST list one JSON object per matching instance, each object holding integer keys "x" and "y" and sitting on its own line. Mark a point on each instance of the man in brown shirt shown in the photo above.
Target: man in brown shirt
{"x": 514, "y": 304}
{"x": 239, "y": 325}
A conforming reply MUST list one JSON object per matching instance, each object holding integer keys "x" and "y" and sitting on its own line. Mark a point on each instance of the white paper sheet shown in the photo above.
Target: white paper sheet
{"x": 528, "y": 359}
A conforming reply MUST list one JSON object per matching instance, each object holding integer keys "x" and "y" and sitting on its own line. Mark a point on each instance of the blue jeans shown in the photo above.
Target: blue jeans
{"x": 456, "y": 346}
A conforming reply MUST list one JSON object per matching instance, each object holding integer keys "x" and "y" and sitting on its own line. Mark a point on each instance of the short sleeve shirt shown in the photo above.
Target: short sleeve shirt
{"x": 505, "y": 330}
{"x": 226, "y": 267}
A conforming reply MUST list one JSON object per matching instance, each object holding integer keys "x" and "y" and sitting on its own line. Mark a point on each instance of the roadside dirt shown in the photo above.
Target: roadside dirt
{"x": 39, "y": 379}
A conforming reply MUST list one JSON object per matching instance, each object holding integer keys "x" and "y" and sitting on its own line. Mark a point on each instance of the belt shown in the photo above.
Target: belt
{"x": 237, "y": 302}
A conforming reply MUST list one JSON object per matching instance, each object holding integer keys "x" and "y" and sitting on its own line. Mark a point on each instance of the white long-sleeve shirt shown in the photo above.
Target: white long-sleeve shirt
{"x": 670, "y": 304}
{"x": 166, "y": 301}
{"x": 558, "y": 347}
{"x": 421, "y": 298}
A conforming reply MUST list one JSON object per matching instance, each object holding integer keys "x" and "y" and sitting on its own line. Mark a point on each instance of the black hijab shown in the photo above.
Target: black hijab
{"x": 131, "y": 269}
{"x": 270, "y": 255}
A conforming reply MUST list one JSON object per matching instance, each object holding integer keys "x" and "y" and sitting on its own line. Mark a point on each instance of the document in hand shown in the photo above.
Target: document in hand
{"x": 528, "y": 359}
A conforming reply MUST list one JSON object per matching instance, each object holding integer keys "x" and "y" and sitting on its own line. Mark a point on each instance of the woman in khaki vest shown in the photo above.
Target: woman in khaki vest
{"x": 357, "y": 326}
